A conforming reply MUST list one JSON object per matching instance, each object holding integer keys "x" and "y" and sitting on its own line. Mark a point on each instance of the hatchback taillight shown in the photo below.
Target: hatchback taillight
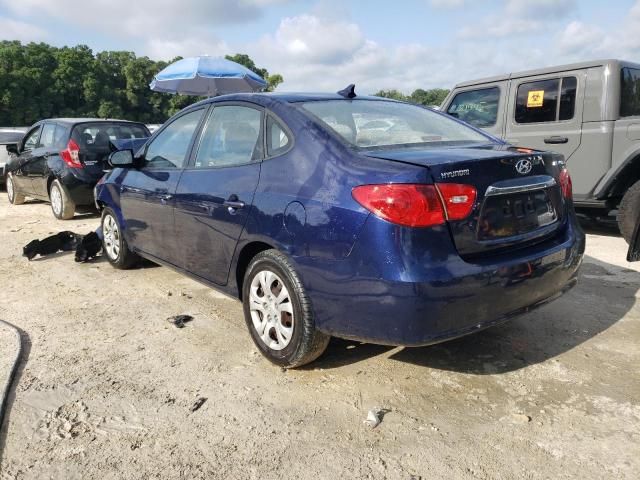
{"x": 417, "y": 205}
{"x": 71, "y": 155}
{"x": 565, "y": 183}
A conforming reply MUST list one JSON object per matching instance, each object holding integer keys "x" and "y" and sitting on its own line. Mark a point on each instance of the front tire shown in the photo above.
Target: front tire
{"x": 629, "y": 211}
{"x": 15, "y": 198}
{"x": 114, "y": 245}
{"x": 62, "y": 206}
{"x": 278, "y": 312}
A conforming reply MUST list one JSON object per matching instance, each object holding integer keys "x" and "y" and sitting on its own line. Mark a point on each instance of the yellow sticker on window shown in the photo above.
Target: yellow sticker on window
{"x": 535, "y": 98}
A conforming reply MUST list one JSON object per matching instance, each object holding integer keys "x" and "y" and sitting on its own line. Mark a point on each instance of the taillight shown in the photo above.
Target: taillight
{"x": 71, "y": 155}
{"x": 417, "y": 205}
{"x": 410, "y": 205}
{"x": 458, "y": 199}
{"x": 565, "y": 183}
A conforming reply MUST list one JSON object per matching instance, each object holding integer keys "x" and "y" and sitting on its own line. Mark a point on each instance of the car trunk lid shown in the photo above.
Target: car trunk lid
{"x": 518, "y": 201}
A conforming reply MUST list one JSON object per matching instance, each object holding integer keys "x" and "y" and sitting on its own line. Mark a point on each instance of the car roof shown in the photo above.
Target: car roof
{"x": 613, "y": 63}
{"x": 75, "y": 121}
{"x": 286, "y": 97}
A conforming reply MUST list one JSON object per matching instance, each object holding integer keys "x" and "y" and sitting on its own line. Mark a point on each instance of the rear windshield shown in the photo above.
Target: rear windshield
{"x": 630, "y": 88}
{"x": 101, "y": 134}
{"x": 375, "y": 123}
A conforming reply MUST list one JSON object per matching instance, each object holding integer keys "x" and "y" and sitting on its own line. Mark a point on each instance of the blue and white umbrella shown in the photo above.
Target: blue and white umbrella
{"x": 208, "y": 76}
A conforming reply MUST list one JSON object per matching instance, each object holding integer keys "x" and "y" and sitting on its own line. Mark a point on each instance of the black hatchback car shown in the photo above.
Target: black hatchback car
{"x": 61, "y": 160}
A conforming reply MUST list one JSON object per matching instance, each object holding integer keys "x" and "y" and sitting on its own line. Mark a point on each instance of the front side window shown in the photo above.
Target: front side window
{"x": 231, "y": 137}
{"x": 31, "y": 140}
{"x": 407, "y": 125}
{"x": 169, "y": 149}
{"x": 630, "y": 92}
{"x": 47, "y": 139}
{"x": 546, "y": 100}
{"x": 477, "y": 107}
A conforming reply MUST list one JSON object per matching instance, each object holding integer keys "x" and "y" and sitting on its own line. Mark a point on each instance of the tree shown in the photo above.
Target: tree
{"x": 243, "y": 59}
{"x": 432, "y": 97}
{"x": 394, "y": 94}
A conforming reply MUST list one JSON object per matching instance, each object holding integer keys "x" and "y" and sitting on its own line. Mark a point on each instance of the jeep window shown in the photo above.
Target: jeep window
{"x": 477, "y": 107}
{"x": 537, "y": 102}
{"x": 630, "y": 96}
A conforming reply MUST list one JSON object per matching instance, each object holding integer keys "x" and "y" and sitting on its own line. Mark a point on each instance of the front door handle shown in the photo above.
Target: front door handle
{"x": 165, "y": 198}
{"x": 556, "y": 140}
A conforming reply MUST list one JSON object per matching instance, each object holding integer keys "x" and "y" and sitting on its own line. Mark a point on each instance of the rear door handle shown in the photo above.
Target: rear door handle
{"x": 556, "y": 140}
{"x": 234, "y": 204}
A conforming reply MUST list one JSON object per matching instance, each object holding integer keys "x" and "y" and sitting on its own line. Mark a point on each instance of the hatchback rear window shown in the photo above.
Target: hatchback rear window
{"x": 396, "y": 124}
{"x": 100, "y": 134}
{"x": 630, "y": 92}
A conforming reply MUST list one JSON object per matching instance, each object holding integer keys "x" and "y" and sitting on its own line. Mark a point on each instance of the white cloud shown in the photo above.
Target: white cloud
{"x": 15, "y": 30}
{"x": 446, "y": 4}
{"x": 540, "y": 9}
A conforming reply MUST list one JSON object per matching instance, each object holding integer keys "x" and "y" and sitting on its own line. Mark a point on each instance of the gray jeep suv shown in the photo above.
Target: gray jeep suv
{"x": 589, "y": 112}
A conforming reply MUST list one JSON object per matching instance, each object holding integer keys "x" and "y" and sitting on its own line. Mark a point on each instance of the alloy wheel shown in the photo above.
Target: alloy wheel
{"x": 271, "y": 310}
{"x": 111, "y": 234}
{"x": 56, "y": 200}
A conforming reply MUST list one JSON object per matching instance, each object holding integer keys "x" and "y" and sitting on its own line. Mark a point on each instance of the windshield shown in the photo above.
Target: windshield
{"x": 374, "y": 123}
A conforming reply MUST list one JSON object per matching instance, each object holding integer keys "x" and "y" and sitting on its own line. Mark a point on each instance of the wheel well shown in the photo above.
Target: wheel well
{"x": 244, "y": 259}
{"x": 629, "y": 175}
{"x": 49, "y": 182}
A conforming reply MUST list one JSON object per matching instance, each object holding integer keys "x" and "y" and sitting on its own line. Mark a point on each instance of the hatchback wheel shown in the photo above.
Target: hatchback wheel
{"x": 114, "y": 244}
{"x": 278, "y": 312}
{"x": 62, "y": 206}
{"x": 14, "y": 197}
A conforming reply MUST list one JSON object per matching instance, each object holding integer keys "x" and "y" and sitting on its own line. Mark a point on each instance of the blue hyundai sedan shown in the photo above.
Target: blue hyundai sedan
{"x": 411, "y": 234}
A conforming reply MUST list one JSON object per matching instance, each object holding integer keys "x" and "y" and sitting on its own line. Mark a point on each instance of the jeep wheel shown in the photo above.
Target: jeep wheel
{"x": 629, "y": 211}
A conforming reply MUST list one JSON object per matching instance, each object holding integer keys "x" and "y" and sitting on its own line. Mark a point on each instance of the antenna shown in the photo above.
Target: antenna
{"x": 349, "y": 92}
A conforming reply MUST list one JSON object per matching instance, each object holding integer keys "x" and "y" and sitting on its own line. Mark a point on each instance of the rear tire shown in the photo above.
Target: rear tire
{"x": 62, "y": 206}
{"x": 15, "y": 198}
{"x": 114, "y": 245}
{"x": 278, "y": 312}
{"x": 629, "y": 211}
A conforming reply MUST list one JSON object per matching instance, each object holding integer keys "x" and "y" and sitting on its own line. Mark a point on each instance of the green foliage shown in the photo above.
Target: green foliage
{"x": 42, "y": 81}
{"x": 243, "y": 59}
{"x": 434, "y": 96}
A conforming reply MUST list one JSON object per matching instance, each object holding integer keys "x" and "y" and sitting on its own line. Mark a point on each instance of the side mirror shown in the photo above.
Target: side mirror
{"x": 121, "y": 158}
{"x": 12, "y": 148}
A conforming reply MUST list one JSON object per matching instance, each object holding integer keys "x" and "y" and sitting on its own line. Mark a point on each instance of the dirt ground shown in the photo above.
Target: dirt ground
{"x": 107, "y": 386}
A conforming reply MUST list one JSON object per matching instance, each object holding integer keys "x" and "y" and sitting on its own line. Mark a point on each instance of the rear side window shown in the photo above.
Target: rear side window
{"x": 630, "y": 92}
{"x": 477, "y": 107}
{"x": 231, "y": 137}
{"x": 546, "y": 100}
{"x": 47, "y": 138}
{"x": 278, "y": 140}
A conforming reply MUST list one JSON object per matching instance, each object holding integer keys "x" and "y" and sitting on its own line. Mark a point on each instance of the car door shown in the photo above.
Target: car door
{"x": 481, "y": 106}
{"x": 215, "y": 193}
{"x": 38, "y": 168}
{"x": 546, "y": 112}
{"x": 22, "y": 170}
{"x": 147, "y": 193}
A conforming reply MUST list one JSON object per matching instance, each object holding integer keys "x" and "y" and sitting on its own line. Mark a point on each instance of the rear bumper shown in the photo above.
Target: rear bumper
{"x": 438, "y": 297}
{"x": 80, "y": 187}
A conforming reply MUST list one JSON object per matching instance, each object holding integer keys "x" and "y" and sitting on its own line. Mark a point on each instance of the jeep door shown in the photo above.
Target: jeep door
{"x": 147, "y": 192}
{"x": 215, "y": 193}
{"x": 545, "y": 113}
{"x": 482, "y": 106}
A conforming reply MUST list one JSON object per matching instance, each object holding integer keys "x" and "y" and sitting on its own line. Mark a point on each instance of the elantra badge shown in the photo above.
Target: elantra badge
{"x": 524, "y": 166}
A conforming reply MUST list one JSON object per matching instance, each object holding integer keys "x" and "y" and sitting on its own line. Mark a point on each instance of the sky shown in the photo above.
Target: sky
{"x": 323, "y": 45}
